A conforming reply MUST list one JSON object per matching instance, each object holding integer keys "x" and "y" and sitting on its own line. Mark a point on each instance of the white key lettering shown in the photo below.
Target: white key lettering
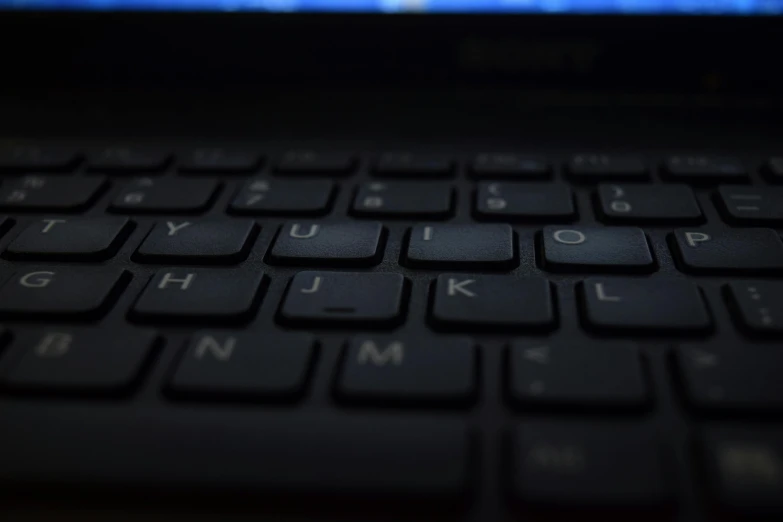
{"x": 296, "y": 231}
{"x": 694, "y": 238}
{"x": 50, "y": 223}
{"x": 169, "y": 277}
{"x": 620, "y": 206}
{"x": 458, "y": 287}
{"x": 174, "y": 228}
{"x": 369, "y": 352}
{"x": 133, "y": 198}
{"x": 221, "y": 352}
{"x": 569, "y": 237}
{"x": 16, "y": 196}
{"x": 600, "y": 293}
{"x": 427, "y": 233}
{"x": 313, "y": 289}
{"x": 54, "y": 345}
{"x": 496, "y": 203}
{"x": 36, "y": 279}
{"x": 539, "y": 354}
{"x": 372, "y": 202}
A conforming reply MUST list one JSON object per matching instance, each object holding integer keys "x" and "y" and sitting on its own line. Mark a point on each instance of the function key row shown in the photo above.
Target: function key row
{"x": 581, "y": 167}
{"x": 458, "y": 302}
{"x": 752, "y": 251}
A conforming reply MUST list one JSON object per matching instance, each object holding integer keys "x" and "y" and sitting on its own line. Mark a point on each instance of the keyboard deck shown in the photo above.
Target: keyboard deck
{"x": 462, "y": 336}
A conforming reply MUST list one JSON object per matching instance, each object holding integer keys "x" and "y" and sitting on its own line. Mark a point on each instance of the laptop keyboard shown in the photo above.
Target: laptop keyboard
{"x": 479, "y": 334}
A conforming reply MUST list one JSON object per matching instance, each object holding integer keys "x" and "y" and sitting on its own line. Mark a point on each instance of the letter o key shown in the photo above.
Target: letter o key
{"x": 569, "y": 237}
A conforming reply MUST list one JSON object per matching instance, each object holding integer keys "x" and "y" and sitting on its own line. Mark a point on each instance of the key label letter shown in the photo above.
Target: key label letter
{"x": 54, "y": 344}
{"x": 496, "y": 203}
{"x": 427, "y": 233}
{"x": 369, "y": 352}
{"x": 219, "y": 352}
{"x": 458, "y": 287}
{"x": 694, "y": 238}
{"x": 174, "y": 228}
{"x": 133, "y": 198}
{"x": 620, "y": 206}
{"x": 36, "y": 279}
{"x": 372, "y": 202}
{"x": 296, "y": 233}
{"x": 50, "y": 223}
{"x": 600, "y": 293}
{"x": 313, "y": 289}
{"x": 569, "y": 237}
{"x": 169, "y": 277}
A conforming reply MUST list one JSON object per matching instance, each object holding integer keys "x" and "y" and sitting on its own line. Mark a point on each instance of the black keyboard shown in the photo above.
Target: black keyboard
{"x": 392, "y": 334}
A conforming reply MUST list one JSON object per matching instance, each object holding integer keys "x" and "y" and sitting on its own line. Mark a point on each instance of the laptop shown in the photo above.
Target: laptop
{"x": 465, "y": 260}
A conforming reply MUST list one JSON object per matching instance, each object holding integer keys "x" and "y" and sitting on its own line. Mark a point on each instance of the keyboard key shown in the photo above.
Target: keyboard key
{"x": 611, "y": 376}
{"x": 596, "y": 249}
{"x": 174, "y": 196}
{"x": 751, "y": 206}
{"x": 313, "y": 162}
{"x": 26, "y": 158}
{"x": 640, "y": 304}
{"x": 754, "y": 251}
{"x": 78, "y": 361}
{"x": 656, "y": 204}
{"x": 492, "y": 302}
{"x": 62, "y": 292}
{"x": 328, "y": 244}
{"x": 218, "y": 161}
{"x": 5, "y": 225}
{"x": 200, "y": 295}
{"x": 408, "y": 164}
{"x": 407, "y": 460}
{"x": 595, "y": 167}
{"x": 525, "y": 202}
{"x": 127, "y": 159}
{"x": 757, "y": 305}
{"x": 489, "y": 247}
{"x": 261, "y": 197}
{"x": 198, "y": 242}
{"x": 344, "y": 298}
{"x": 242, "y": 366}
{"x": 743, "y": 467}
{"x": 403, "y": 199}
{"x": 774, "y": 169}
{"x": 596, "y": 465}
{"x": 385, "y": 370}
{"x": 704, "y": 168}
{"x": 740, "y": 379}
{"x": 41, "y": 193}
{"x": 70, "y": 239}
{"x": 499, "y": 165}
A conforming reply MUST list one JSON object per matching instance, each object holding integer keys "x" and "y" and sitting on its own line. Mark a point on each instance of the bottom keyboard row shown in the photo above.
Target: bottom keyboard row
{"x": 562, "y": 464}
{"x": 384, "y": 370}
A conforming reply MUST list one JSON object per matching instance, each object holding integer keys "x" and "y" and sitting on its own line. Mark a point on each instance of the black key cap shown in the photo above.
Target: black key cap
{"x": 344, "y": 298}
{"x": 218, "y": 161}
{"x": 423, "y": 460}
{"x": 70, "y": 239}
{"x": 174, "y": 196}
{"x": 774, "y": 170}
{"x": 242, "y": 366}
{"x": 409, "y": 164}
{"x": 594, "y": 167}
{"x": 492, "y": 301}
{"x": 313, "y": 162}
{"x": 697, "y": 168}
{"x": 282, "y": 197}
{"x": 499, "y": 165}
{"x": 200, "y": 295}
{"x": 27, "y": 158}
{"x": 653, "y": 204}
{"x": 753, "y": 251}
{"x": 744, "y": 378}
{"x": 611, "y": 376}
{"x": 127, "y": 159}
{"x": 743, "y": 467}
{"x": 742, "y": 205}
{"x": 40, "y": 193}
{"x": 641, "y": 304}
{"x": 62, "y": 292}
{"x": 595, "y": 249}
{"x": 525, "y": 202}
{"x": 385, "y": 370}
{"x": 198, "y": 242}
{"x": 328, "y": 244}
{"x": 757, "y": 305}
{"x": 403, "y": 200}
{"x": 488, "y": 247}
{"x": 573, "y": 465}
{"x": 78, "y": 361}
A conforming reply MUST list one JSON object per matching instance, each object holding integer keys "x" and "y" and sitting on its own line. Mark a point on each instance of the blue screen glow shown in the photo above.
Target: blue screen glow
{"x": 728, "y": 7}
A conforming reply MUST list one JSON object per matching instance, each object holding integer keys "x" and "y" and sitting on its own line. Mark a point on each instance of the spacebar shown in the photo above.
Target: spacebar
{"x": 232, "y": 452}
